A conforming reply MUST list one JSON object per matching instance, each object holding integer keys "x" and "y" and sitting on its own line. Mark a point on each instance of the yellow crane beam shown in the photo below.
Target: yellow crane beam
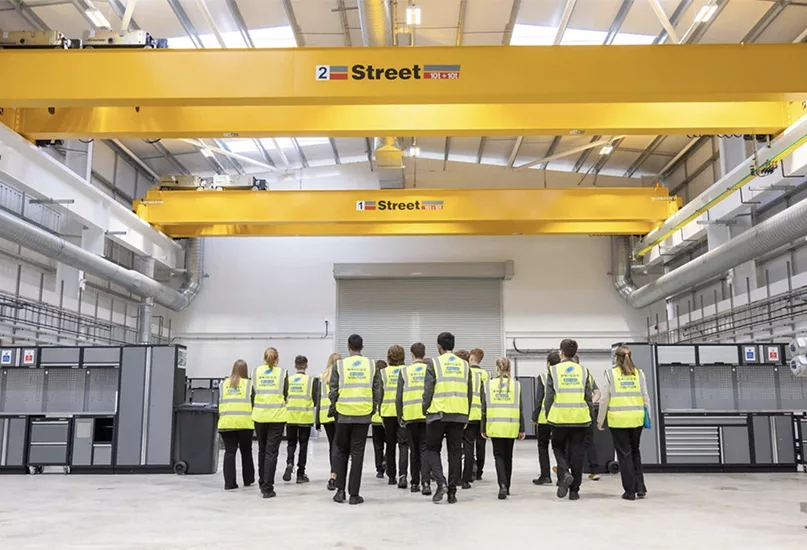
{"x": 593, "y": 211}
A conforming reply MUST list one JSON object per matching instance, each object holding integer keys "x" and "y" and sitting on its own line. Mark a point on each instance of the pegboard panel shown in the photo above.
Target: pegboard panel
{"x": 102, "y": 390}
{"x": 714, "y": 388}
{"x": 676, "y": 388}
{"x": 23, "y": 391}
{"x": 65, "y": 391}
{"x": 756, "y": 388}
{"x": 793, "y": 390}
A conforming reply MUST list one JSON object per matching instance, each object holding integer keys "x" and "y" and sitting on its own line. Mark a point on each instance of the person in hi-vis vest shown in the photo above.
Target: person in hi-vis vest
{"x": 502, "y": 421}
{"x": 623, "y": 403}
{"x": 378, "y": 433}
{"x": 323, "y": 420}
{"x": 409, "y": 405}
{"x": 447, "y": 396}
{"x": 568, "y": 410}
{"x": 235, "y": 424}
{"x": 472, "y": 441}
{"x": 543, "y": 430}
{"x": 302, "y": 407}
{"x": 355, "y": 396}
{"x": 395, "y": 432}
{"x": 270, "y": 388}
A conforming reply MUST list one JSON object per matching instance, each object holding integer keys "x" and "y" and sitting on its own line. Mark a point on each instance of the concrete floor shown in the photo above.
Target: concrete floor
{"x": 167, "y": 512}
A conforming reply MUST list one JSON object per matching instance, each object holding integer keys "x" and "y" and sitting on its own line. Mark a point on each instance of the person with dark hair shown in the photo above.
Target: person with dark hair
{"x": 378, "y": 433}
{"x": 394, "y": 431}
{"x": 591, "y": 450}
{"x": 543, "y": 429}
{"x": 568, "y": 410}
{"x": 447, "y": 397}
{"x": 463, "y": 354}
{"x": 302, "y": 405}
{"x": 354, "y": 398}
{"x": 235, "y": 424}
{"x": 472, "y": 440}
{"x": 409, "y": 405}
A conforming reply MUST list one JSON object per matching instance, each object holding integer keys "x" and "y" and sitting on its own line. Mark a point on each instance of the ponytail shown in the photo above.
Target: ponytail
{"x": 502, "y": 372}
{"x": 270, "y": 357}
{"x": 624, "y": 361}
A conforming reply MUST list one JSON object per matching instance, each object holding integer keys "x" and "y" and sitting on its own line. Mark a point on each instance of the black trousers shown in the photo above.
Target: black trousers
{"x": 295, "y": 435}
{"x": 417, "y": 449}
{"x": 470, "y": 437}
{"x": 269, "y": 436}
{"x": 626, "y": 443}
{"x": 330, "y": 431}
{"x": 379, "y": 439}
{"x": 503, "y": 457}
{"x": 350, "y": 442}
{"x": 569, "y": 445}
{"x": 396, "y": 436}
{"x": 544, "y": 433}
{"x": 591, "y": 451}
{"x": 233, "y": 441}
{"x": 481, "y": 448}
{"x": 434, "y": 443}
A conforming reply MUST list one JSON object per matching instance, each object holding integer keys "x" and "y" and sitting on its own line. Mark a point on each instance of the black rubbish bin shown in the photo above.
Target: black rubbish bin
{"x": 603, "y": 447}
{"x": 196, "y": 445}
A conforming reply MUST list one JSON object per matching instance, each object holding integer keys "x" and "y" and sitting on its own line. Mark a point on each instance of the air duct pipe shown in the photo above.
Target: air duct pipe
{"x": 145, "y": 320}
{"x": 621, "y": 266}
{"x": 375, "y": 18}
{"x": 779, "y": 230}
{"x": 28, "y": 235}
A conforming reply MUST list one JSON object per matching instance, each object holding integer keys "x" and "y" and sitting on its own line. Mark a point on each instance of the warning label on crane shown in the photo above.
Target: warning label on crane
{"x": 371, "y": 72}
{"x": 363, "y": 206}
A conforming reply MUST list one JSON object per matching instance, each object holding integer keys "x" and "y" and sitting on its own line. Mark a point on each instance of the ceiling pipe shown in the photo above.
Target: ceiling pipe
{"x": 621, "y": 266}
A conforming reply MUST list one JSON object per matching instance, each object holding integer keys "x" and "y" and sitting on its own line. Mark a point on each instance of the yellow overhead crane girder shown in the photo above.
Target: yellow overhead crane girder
{"x": 470, "y": 90}
{"x": 593, "y": 211}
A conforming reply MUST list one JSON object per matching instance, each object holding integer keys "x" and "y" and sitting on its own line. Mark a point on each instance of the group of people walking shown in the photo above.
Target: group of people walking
{"x": 413, "y": 408}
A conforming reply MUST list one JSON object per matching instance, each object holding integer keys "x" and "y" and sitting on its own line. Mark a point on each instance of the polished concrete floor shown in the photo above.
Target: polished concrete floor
{"x": 166, "y": 512}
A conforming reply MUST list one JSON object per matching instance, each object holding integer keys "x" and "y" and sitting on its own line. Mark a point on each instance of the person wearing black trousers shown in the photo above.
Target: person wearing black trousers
{"x": 379, "y": 434}
{"x": 303, "y": 400}
{"x": 235, "y": 424}
{"x": 270, "y": 389}
{"x": 409, "y": 405}
{"x": 543, "y": 429}
{"x": 323, "y": 420}
{"x": 393, "y": 430}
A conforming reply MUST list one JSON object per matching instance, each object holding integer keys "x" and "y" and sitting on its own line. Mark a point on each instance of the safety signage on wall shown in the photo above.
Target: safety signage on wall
{"x": 28, "y": 357}
{"x": 750, "y": 354}
{"x": 773, "y": 353}
{"x": 6, "y": 357}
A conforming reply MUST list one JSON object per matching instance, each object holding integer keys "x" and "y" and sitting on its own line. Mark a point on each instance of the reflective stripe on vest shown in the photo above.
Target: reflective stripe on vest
{"x": 626, "y": 405}
{"x": 570, "y": 407}
{"x": 389, "y": 377}
{"x": 480, "y": 377}
{"x": 300, "y": 400}
{"x": 235, "y": 406}
{"x": 355, "y": 386}
{"x": 324, "y": 402}
{"x": 270, "y": 404}
{"x": 542, "y": 412}
{"x": 503, "y": 408}
{"x": 414, "y": 377}
{"x": 451, "y": 385}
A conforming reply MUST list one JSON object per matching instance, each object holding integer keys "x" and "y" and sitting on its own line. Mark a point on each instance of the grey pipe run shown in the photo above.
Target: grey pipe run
{"x": 28, "y": 235}
{"x": 779, "y": 230}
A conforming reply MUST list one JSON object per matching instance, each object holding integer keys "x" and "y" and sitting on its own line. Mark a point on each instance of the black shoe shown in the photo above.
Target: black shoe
{"x": 392, "y": 481}
{"x": 502, "y": 492}
{"x": 508, "y": 491}
{"x": 574, "y": 495}
{"x": 332, "y": 484}
{"x": 628, "y": 496}
{"x": 415, "y": 488}
{"x": 269, "y": 494}
{"x": 356, "y": 500}
{"x": 641, "y": 494}
{"x": 287, "y": 473}
{"x": 402, "y": 483}
{"x": 466, "y": 485}
{"x": 302, "y": 478}
{"x": 479, "y": 476}
{"x": 426, "y": 490}
{"x": 379, "y": 475}
{"x": 542, "y": 481}
{"x": 339, "y": 496}
{"x": 234, "y": 487}
{"x": 440, "y": 493}
{"x": 564, "y": 484}
{"x": 452, "y": 498}
{"x": 251, "y": 483}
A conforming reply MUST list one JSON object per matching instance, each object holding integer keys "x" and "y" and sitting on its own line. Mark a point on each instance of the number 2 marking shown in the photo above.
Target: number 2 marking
{"x": 323, "y": 72}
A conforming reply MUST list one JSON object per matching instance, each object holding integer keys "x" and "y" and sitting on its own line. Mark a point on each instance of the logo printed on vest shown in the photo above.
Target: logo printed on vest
{"x": 569, "y": 369}
{"x": 419, "y": 369}
{"x": 452, "y": 358}
{"x": 355, "y": 374}
{"x": 268, "y": 382}
{"x": 297, "y": 378}
{"x": 629, "y": 383}
{"x": 233, "y": 390}
{"x": 357, "y": 362}
{"x": 452, "y": 368}
{"x": 396, "y": 371}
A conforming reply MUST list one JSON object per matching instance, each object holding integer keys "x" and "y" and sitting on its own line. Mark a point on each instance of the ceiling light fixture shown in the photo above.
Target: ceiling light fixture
{"x": 206, "y": 152}
{"x": 607, "y": 150}
{"x": 414, "y": 151}
{"x": 413, "y": 15}
{"x": 705, "y": 13}
{"x": 98, "y": 19}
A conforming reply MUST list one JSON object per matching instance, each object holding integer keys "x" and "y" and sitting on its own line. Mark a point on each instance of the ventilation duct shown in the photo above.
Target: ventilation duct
{"x": 389, "y": 163}
{"x": 620, "y": 266}
{"x": 28, "y": 235}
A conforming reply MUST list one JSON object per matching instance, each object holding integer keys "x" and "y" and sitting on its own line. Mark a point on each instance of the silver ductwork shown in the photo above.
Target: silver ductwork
{"x": 145, "y": 319}
{"x": 389, "y": 163}
{"x": 621, "y": 266}
{"x": 779, "y": 230}
{"x": 28, "y": 235}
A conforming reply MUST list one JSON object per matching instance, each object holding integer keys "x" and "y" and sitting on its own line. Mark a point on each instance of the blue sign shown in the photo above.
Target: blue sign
{"x": 750, "y": 354}
{"x": 5, "y": 357}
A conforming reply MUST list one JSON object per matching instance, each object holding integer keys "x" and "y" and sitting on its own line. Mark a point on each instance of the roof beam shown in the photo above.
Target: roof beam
{"x": 120, "y": 11}
{"x": 603, "y": 160}
{"x": 295, "y": 27}
{"x": 665, "y": 22}
{"x": 264, "y": 153}
{"x": 765, "y": 21}
{"x": 675, "y": 18}
{"x": 461, "y": 21}
{"x": 550, "y": 156}
{"x": 551, "y": 151}
{"x": 29, "y": 15}
{"x": 511, "y": 22}
{"x": 167, "y": 155}
{"x": 184, "y": 20}
{"x": 564, "y": 21}
{"x": 481, "y": 151}
{"x": 446, "y": 150}
{"x": 514, "y": 152}
{"x": 619, "y": 19}
{"x": 703, "y": 28}
{"x": 232, "y": 161}
{"x": 658, "y": 140}
{"x": 235, "y": 12}
{"x": 336, "y": 158}
{"x": 343, "y": 18}
{"x": 300, "y": 153}
{"x": 594, "y": 142}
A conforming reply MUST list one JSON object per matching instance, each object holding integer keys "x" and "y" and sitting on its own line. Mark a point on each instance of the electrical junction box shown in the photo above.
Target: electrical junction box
{"x": 34, "y": 39}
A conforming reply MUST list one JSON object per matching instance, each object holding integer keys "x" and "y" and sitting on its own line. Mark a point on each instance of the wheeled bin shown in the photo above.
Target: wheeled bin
{"x": 196, "y": 445}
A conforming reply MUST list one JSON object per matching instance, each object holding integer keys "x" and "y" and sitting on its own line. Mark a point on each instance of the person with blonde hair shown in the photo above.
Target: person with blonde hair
{"x": 271, "y": 390}
{"x": 502, "y": 421}
{"x": 624, "y": 404}
{"x": 323, "y": 420}
{"x": 236, "y": 425}
{"x": 394, "y": 431}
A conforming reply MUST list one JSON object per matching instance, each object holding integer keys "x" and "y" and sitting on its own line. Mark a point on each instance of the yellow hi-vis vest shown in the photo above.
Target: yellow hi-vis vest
{"x": 324, "y": 401}
{"x": 451, "y": 385}
{"x": 235, "y": 406}
{"x": 480, "y": 377}
{"x": 270, "y": 403}
{"x": 503, "y": 409}
{"x": 626, "y": 406}
{"x": 542, "y": 411}
{"x": 414, "y": 377}
{"x": 570, "y": 405}
{"x": 355, "y": 386}
{"x": 389, "y": 377}
{"x": 300, "y": 405}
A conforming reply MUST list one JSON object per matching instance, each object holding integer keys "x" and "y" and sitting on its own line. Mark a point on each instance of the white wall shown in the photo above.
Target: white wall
{"x": 280, "y": 292}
